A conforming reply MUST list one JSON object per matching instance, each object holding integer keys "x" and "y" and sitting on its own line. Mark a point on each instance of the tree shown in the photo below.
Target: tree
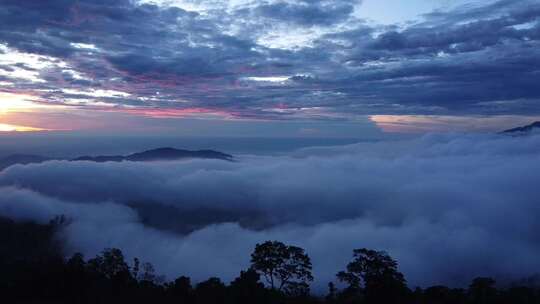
{"x": 285, "y": 268}
{"x": 247, "y": 288}
{"x": 111, "y": 264}
{"x": 181, "y": 289}
{"x": 76, "y": 278}
{"x": 149, "y": 273}
{"x": 248, "y": 280}
{"x": 482, "y": 290}
{"x": 211, "y": 291}
{"x": 331, "y": 296}
{"x": 441, "y": 295}
{"x": 76, "y": 262}
{"x": 377, "y": 273}
{"x": 136, "y": 268}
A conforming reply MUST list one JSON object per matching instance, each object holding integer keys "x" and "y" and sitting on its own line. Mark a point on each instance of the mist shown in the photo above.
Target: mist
{"x": 448, "y": 207}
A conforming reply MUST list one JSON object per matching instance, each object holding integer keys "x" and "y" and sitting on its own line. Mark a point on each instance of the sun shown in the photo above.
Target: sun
{"x": 14, "y": 128}
{"x": 10, "y": 102}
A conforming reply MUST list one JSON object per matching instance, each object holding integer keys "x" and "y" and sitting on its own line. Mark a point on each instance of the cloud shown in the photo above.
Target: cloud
{"x": 25, "y": 205}
{"x": 447, "y": 206}
{"x": 480, "y": 60}
{"x": 308, "y": 13}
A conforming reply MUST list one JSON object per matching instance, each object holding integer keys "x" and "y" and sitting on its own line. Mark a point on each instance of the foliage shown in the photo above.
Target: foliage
{"x": 374, "y": 275}
{"x": 285, "y": 268}
{"x": 39, "y": 274}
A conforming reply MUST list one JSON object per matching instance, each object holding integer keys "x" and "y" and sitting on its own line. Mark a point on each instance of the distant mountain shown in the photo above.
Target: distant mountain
{"x": 172, "y": 154}
{"x": 23, "y": 159}
{"x": 161, "y": 154}
{"x": 525, "y": 129}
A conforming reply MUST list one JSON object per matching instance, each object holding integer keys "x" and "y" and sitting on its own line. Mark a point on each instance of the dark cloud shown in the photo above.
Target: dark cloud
{"x": 462, "y": 36}
{"x": 308, "y": 13}
{"x": 448, "y": 207}
{"x": 470, "y": 60}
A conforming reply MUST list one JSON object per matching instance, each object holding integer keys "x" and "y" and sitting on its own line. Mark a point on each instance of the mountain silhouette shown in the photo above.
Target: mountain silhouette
{"x": 524, "y": 129}
{"x": 160, "y": 154}
{"x": 172, "y": 154}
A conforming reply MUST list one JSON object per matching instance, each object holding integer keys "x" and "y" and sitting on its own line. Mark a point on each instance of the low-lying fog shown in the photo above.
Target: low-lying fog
{"x": 448, "y": 207}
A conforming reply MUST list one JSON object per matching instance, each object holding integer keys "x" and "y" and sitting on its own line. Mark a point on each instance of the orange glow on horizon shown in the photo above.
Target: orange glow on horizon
{"x": 18, "y": 112}
{"x": 10, "y": 102}
{"x": 445, "y": 123}
{"x": 15, "y": 128}
{"x": 403, "y": 123}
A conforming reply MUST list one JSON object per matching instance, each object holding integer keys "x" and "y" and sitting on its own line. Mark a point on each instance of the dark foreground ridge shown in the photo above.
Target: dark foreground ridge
{"x": 524, "y": 129}
{"x": 160, "y": 154}
{"x": 35, "y": 270}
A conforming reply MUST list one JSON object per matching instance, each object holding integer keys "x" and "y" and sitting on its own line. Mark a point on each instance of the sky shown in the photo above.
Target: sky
{"x": 276, "y": 68}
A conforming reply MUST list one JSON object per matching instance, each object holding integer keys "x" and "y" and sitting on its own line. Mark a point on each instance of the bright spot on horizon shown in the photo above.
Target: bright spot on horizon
{"x": 15, "y": 128}
{"x": 10, "y": 102}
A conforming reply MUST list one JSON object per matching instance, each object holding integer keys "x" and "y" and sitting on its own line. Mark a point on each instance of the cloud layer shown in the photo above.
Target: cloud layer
{"x": 237, "y": 58}
{"x": 448, "y": 207}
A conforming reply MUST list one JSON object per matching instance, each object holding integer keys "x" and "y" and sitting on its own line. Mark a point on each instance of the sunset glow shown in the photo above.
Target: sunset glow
{"x": 14, "y": 128}
{"x": 440, "y": 123}
{"x": 10, "y": 102}
{"x": 14, "y": 109}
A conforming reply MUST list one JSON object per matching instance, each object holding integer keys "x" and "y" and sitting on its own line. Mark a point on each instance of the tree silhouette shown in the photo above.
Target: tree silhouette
{"x": 441, "y": 295}
{"x": 285, "y": 268}
{"x": 33, "y": 270}
{"x": 149, "y": 274}
{"x": 211, "y": 291}
{"x": 377, "y": 273}
{"x": 136, "y": 268}
{"x": 110, "y": 264}
{"x": 247, "y": 288}
{"x": 482, "y": 290}
{"x": 332, "y": 291}
{"x": 181, "y": 290}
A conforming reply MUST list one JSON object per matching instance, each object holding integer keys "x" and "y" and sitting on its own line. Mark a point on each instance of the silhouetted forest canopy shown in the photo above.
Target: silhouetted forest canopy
{"x": 34, "y": 270}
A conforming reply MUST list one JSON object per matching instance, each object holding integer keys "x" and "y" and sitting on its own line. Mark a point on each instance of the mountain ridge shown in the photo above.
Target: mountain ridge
{"x": 159, "y": 154}
{"x": 523, "y": 129}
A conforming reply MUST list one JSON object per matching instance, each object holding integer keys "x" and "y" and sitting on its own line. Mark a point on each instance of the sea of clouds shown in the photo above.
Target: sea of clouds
{"x": 448, "y": 207}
